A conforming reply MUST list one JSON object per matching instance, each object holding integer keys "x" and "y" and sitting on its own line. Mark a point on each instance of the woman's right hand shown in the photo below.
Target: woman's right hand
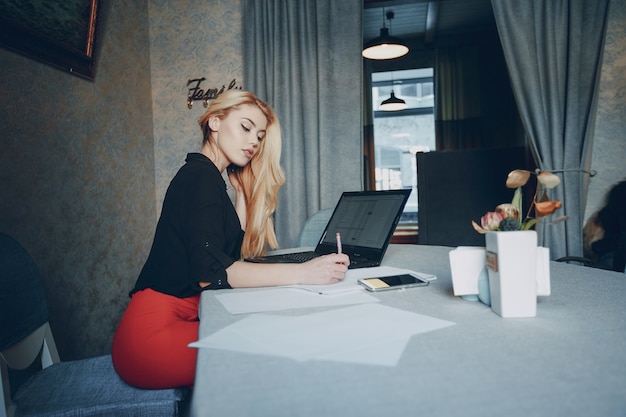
{"x": 323, "y": 270}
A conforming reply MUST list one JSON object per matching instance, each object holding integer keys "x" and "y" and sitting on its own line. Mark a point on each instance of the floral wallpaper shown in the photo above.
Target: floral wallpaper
{"x": 190, "y": 39}
{"x": 609, "y": 148}
{"x": 77, "y": 169}
{"x": 84, "y": 165}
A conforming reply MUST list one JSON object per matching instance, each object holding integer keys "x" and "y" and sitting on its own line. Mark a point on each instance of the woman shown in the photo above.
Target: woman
{"x": 199, "y": 242}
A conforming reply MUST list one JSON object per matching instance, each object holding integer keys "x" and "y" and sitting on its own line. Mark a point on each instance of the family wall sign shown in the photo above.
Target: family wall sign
{"x": 196, "y": 93}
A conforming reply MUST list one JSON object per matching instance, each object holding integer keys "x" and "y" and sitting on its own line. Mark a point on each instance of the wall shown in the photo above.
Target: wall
{"x": 609, "y": 148}
{"x": 189, "y": 39}
{"x": 77, "y": 177}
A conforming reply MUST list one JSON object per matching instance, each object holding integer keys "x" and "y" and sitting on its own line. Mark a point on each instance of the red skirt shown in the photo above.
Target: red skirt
{"x": 150, "y": 345}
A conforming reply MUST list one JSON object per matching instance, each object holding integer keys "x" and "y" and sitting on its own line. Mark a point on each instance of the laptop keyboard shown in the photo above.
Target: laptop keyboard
{"x": 300, "y": 257}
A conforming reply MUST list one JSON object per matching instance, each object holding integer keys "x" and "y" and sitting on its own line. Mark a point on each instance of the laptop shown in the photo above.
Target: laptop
{"x": 366, "y": 221}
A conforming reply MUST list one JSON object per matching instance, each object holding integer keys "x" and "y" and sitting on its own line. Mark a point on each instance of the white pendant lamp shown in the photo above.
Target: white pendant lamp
{"x": 385, "y": 46}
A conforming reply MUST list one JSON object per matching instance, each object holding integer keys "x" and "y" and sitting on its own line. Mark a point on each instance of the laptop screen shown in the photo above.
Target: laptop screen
{"x": 365, "y": 219}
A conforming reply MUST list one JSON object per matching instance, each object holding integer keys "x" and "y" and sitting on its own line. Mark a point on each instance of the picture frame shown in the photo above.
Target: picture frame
{"x": 61, "y": 33}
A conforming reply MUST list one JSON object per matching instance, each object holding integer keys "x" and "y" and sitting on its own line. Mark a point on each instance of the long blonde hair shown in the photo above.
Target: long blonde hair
{"x": 261, "y": 178}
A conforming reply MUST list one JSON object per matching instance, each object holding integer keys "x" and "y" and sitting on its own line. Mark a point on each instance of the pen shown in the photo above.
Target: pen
{"x": 338, "y": 235}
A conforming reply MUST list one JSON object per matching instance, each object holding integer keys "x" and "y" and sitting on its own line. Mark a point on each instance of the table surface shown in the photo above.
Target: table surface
{"x": 570, "y": 360}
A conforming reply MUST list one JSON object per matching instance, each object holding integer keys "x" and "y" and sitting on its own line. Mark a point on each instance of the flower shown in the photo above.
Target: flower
{"x": 508, "y": 210}
{"x": 507, "y": 217}
{"x": 491, "y": 220}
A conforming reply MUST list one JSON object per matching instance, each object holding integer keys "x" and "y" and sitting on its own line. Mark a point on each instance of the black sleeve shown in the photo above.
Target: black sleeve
{"x": 215, "y": 234}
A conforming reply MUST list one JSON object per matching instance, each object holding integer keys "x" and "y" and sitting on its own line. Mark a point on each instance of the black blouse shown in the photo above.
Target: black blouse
{"x": 198, "y": 234}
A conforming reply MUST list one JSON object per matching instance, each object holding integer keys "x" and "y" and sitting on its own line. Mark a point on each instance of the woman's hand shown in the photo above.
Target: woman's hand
{"x": 327, "y": 269}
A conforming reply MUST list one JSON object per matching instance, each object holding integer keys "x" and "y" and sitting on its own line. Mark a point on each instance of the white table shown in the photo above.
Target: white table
{"x": 570, "y": 360}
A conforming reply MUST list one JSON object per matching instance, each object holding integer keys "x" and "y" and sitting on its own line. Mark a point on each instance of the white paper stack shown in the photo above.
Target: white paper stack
{"x": 368, "y": 333}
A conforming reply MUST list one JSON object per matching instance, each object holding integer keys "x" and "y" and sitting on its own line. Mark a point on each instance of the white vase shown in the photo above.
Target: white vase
{"x": 511, "y": 262}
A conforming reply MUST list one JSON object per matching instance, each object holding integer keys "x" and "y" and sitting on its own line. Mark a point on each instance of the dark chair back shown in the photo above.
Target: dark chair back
{"x": 23, "y": 306}
{"x": 456, "y": 187}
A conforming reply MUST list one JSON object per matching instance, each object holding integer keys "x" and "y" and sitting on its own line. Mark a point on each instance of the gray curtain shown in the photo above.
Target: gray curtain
{"x": 304, "y": 58}
{"x": 474, "y": 105}
{"x": 458, "y": 119}
{"x": 553, "y": 50}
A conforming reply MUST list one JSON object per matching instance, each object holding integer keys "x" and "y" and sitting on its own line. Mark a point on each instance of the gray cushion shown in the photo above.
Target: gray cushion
{"x": 91, "y": 387}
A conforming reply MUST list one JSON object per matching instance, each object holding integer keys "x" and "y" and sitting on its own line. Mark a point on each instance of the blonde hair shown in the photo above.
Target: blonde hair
{"x": 261, "y": 178}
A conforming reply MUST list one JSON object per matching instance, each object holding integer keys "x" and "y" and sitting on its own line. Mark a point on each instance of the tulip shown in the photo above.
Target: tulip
{"x": 548, "y": 179}
{"x": 508, "y": 210}
{"x": 517, "y": 178}
{"x": 491, "y": 220}
{"x": 478, "y": 228}
{"x": 545, "y": 208}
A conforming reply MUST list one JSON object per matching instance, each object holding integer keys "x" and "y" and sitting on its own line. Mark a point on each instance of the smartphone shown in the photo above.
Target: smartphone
{"x": 392, "y": 282}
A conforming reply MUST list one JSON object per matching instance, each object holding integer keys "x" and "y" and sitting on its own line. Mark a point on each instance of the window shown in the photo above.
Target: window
{"x": 399, "y": 135}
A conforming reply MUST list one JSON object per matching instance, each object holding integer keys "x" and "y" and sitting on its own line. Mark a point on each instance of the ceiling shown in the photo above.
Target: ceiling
{"x": 425, "y": 19}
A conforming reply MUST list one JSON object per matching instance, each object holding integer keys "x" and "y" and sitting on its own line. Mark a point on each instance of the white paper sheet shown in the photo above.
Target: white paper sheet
{"x": 346, "y": 292}
{"x": 286, "y": 298}
{"x": 368, "y": 334}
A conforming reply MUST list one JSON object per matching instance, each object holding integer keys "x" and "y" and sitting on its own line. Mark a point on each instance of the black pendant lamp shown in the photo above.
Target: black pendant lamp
{"x": 385, "y": 46}
{"x": 393, "y": 103}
